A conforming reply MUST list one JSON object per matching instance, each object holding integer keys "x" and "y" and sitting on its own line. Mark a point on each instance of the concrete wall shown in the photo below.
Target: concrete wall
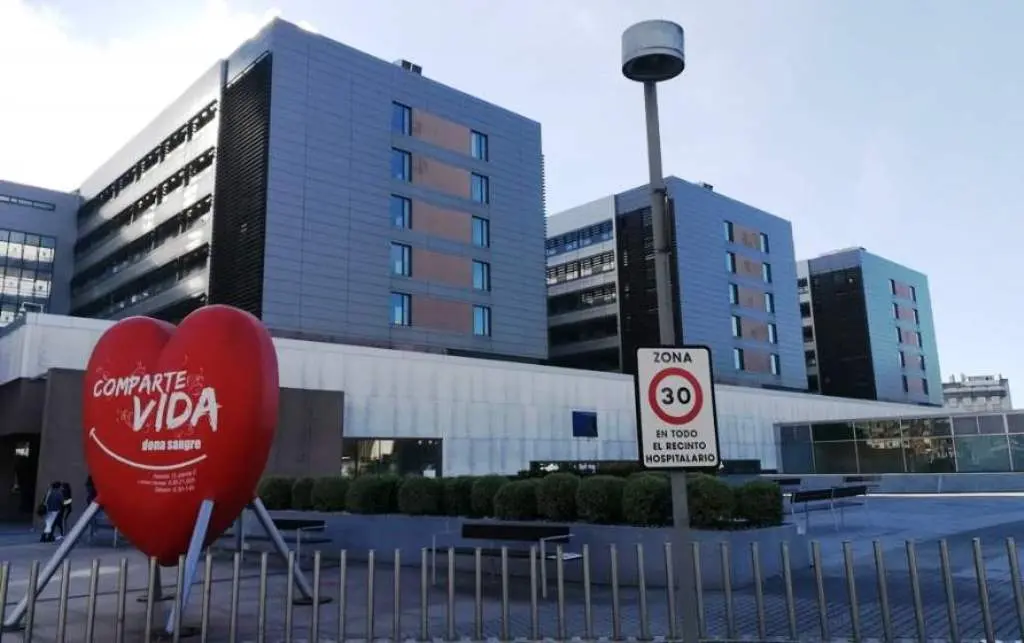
{"x": 700, "y": 216}
{"x": 328, "y": 230}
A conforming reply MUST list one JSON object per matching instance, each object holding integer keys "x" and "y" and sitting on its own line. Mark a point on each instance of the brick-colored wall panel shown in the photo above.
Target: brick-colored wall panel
{"x": 441, "y": 314}
{"x": 440, "y": 176}
{"x": 750, "y": 297}
{"x": 439, "y": 131}
{"x": 904, "y": 312}
{"x": 748, "y": 237}
{"x": 442, "y": 222}
{"x": 908, "y": 337}
{"x": 757, "y": 361}
{"x": 903, "y": 290}
{"x": 439, "y": 267}
{"x": 748, "y": 267}
{"x": 754, "y": 329}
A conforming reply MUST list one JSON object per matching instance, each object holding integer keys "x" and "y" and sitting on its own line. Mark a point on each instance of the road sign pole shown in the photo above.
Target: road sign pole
{"x": 682, "y": 549}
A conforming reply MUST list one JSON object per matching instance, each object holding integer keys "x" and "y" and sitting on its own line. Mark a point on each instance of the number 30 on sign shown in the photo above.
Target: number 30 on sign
{"x": 677, "y": 426}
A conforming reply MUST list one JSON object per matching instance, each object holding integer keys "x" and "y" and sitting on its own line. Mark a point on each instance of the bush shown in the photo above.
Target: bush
{"x": 419, "y": 496}
{"x": 275, "y": 492}
{"x": 329, "y": 493}
{"x": 457, "y": 496}
{"x": 620, "y": 469}
{"x": 599, "y": 499}
{"x": 373, "y": 494}
{"x": 482, "y": 495}
{"x": 556, "y": 496}
{"x": 759, "y": 503}
{"x": 517, "y": 500}
{"x": 711, "y": 501}
{"x": 647, "y": 501}
{"x": 302, "y": 494}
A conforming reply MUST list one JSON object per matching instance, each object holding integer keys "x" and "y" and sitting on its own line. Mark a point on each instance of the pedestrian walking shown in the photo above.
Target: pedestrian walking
{"x": 52, "y": 506}
{"x": 65, "y": 512}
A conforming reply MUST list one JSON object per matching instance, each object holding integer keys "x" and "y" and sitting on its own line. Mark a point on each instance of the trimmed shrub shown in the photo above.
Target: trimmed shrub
{"x": 457, "y": 495}
{"x": 556, "y": 496}
{"x": 482, "y": 495}
{"x": 373, "y": 494}
{"x": 759, "y": 503}
{"x": 302, "y": 494}
{"x": 517, "y": 500}
{"x": 647, "y": 501}
{"x": 275, "y": 492}
{"x": 599, "y": 499}
{"x": 620, "y": 469}
{"x": 329, "y": 493}
{"x": 419, "y": 496}
{"x": 711, "y": 501}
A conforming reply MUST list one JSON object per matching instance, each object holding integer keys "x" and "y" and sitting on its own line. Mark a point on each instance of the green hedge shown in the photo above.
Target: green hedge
{"x": 517, "y": 500}
{"x": 419, "y": 496}
{"x": 556, "y": 496}
{"x": 599, "y": 499}
{"x": 275, "y": 492}
{"x": 302, "y": 494}
{"x": 643, "y": 499}
{"x": 329, "y": 493}
{"x": 482, "y": 495}
{"x": 373, "y": 494}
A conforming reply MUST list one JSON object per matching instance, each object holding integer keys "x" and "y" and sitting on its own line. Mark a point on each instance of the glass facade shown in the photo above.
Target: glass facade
{"x": 983, "y": 443}
{"x": 26, "y": 273}
{"x": 401, "y": 456}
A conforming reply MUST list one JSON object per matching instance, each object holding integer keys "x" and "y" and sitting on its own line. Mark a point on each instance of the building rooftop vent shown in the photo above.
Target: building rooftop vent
{"x": 707, "y": 186}
{"x": 409, "y": 66}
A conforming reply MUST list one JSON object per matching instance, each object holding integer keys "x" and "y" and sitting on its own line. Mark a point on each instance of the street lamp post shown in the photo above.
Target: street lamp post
{"x": 652, "y": 52}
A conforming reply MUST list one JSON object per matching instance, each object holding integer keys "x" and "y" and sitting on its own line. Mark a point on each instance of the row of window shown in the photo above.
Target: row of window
{"x": 26, "y": 203}
{"x": 737, "y": 329}
{"x": 401, "y": 314}
{"x": 580, "y": 238}
{"x": 150, "y": 160}
{"x": 923, "y": 385}
{"x": 401, "y": 169}
{"x": 734, "y": 298}
{"x": 401, "y": 123}
{"x": 582, "y": 299}
{"x": 585, "y": 267}
{"x": 18, "y": 247}
{"x": 894, "y": 288}
{"x": 766, "y": 268}
{"x": 912, "y": 360}
{"x": 740, "y": 364}
{"x": 401, "y": 217}
{"x": 897, "y": 309}
{"x": 909, "y": 338}
{"x": 730, "y": 236}
{"x": 401, "y": 266}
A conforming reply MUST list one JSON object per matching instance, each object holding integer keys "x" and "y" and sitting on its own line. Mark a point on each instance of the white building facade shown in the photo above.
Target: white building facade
{"x": 491, "y": 416}
{"x": 977, "y": 393}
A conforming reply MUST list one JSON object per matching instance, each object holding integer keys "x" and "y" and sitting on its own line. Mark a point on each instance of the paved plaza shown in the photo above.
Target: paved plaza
{"x": 890, "y": 520}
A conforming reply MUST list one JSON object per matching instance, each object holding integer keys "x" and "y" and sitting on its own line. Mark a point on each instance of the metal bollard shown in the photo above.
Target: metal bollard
{"x": 478, "y": 595}
{"x": 641, "y": 590}
{"x": 616, "y": 609}
{"x": 670, "y": 586}
{"x": 534, "y": 609}
{"x": 152, "y": 586}
{"x": 424, "y": 596}
{"x": 915, "y": 592}
{"x": 883, "y": 591}
{"x": 396, "y": 614}
{"x": 698, "y": 582}
{"x": 30, "y": 608}
{"x": 755, "y": 566}
{"x": 819, "y": 583}
{"x": 90, "y": 610}
{"x": 261, "y": 618}
{"x": 343, "y": 594}
{"x": 451, "y": 594}
{"x": 5, "y": 572}
{"x": 730, "y": 616}
{"x": 370, "y": 595}
{"x": 505, "y": 617}
{"x": 236, "y": 581}
{"x": 787, "y": 580}
{"x": 122, "y": 591}
{"x": 1018, "y": 595}
{"x": 314, "y": 624}
{"x": 947, "y": 582}
{"x": 204, "y": 629}
{"x": 289, "y": 596}
{"x": 979, "y": 573}
{"x": 179, "y": 594}
{"x": 62, "y": 604}
{"x": 851, "y": 591}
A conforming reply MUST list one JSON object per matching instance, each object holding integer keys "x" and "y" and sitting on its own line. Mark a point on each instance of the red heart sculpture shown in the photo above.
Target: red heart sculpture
{"x": 176, "y": 416}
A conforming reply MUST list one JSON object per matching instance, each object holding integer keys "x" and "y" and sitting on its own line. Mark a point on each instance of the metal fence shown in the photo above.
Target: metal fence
{"x": 860, "y": 591}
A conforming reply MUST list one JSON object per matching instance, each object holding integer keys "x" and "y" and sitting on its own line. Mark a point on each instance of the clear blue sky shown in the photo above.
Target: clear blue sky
{"x": 897, "y": 126}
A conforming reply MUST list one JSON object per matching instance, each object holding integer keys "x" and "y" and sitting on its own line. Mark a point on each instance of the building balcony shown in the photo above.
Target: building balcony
{"x": 582, "y": 283}
{"x": 191, "y": 285}
{"x": 584, "y": 346}
{"x": 585, "y": 314}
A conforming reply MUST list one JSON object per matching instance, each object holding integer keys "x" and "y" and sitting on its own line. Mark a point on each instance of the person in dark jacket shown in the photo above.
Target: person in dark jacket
{"x": 65, "y": 512}
{"x": 53, "y": 503}
{"x": 90, "y": 497}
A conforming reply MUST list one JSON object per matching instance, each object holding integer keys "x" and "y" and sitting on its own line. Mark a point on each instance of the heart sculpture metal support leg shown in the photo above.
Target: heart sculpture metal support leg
{"x": 13, "y": 620}
{"x": 195, "y": 548}
{"x": 267, "y": 523}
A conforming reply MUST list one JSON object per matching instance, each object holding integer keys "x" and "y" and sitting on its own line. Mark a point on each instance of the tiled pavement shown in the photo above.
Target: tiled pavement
{"x": 890, "y": 521}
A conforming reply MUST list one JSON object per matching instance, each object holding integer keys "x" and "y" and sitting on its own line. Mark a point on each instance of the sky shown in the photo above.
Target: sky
{"x": 896, "y": 126}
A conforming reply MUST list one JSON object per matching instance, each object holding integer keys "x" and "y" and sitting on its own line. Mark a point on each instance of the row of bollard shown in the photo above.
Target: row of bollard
{"x": 671, "y": 629}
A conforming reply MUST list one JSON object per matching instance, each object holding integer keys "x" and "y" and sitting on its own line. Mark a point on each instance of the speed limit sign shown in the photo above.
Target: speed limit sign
{"x": 677, "y": 423}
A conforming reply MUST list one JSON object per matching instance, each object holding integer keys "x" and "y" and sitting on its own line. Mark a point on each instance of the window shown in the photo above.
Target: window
{"x": 737, "y": 358}
{"x": 895, "y": 310}
{"x": 734, "y": 294}
{"x": 801, "y": 284}
{"x": 480, "y": 188}
{"x": 920, "y": 362}
{"x": 401, "y": 119}
{"x": 903, "y": 359}
{"x": 913, "y": 293}
{"x": 482, "y": 321}
{"x": 773, "y": 361}
{"x": 899, "y": 335}
{"x": 401, "y": 211}
{"x": 401, "y": 259}
{"x": 401, "y": 165}
{"x": 892, "y": 286}
{"x": 478, "y": 146}
{"x": 766, "y": 272}
{"x": 918, "y": 339}
{"x": 401, "y": 309}
{"x": 924, "y": 386}
{"x": 481, "y": 232}
{"x": 763, "y": 242}
{"x": 917, "y": 317}
{"x": 481, "y": 275}
{"x": 728, "y": 231}
{"x": 737, "y": 326}
{"x": 773, "y": 334}
{"x": 769, "y": 302}
{"x": 906, "y": 384}
{"x": 730, "y": 262}
{"x": 805, "y": 309}
{"x": 584, "y": 424}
